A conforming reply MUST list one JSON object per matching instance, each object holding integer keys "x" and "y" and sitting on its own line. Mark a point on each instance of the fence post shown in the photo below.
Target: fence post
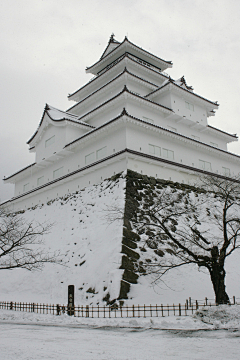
{"x": 162, "y": 309}
{"x": 196, "y": 305}
{"x": 190, "y": 302}
{"x": 206, "y": 301}
{"x": 187, "y": 304}
{"x": 11, "y": 305}
{"x": 179, "y": 308}
{"x": 144, "y": 311}
{"x": 133, "y": 310}
{"x": 234, "y": 300}
{"x": 58, "y": 309}
{"x": 151, "y": 310}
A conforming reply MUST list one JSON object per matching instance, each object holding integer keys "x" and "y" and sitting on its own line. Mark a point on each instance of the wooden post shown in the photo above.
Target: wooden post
{"x": 187, "y": 304}
{"x": 173, "y": 310}
{"x": 190, "y": 302}
{"x": 144, "y": 311}
{"x": 179, "y": 308}
{"x": 206, "y": 299}
{"x": 196, "y": 305}
{"x": 168, "y": 309}
{"x": 234, "y": 300}
{"x": 156, "y": 310}
{"x": 133, "y": 310}
{"x": 70, "y": 300}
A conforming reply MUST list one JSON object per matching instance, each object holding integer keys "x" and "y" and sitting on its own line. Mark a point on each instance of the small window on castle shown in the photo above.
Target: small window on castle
{"x": 189, "y": 106}
{"x": 154, "y": 150}
{"x": 40, "y": 180}
{"x": 26, "y": 187}
{"x": 101, "y": 153}
{"x": 205, "y": 165}
{"x": 50, "y": 141}
{"x": 89, "y": 158}
{"x": 226, "y": 171}
{"x": 58, "y": 172}
{"x": 213, "y": 144}
{"x": 168, "y": 154}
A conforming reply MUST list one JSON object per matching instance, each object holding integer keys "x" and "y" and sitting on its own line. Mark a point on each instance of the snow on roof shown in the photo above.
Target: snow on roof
{"x": 182, "y": 85}
{"x": 58, "y": 115}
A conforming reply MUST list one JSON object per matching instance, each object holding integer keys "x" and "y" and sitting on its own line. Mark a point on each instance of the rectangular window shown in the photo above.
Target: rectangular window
{"x": 58, "y": 172}
{"x": 26, "y": 187}
{"x": 189, "y": 106}
{"x": 40, "y": 180}
{"x": 148, "y": 119}
{"x": 168, "y": 154}
{"x": 195, "y": 137}
{"x": 50, "y": 141}
{"x": 154, "y": 150}
{"x": 226, "y": 171}
{"x": 89, "y": 158}
{"x": 205, "y": 165}
{"x": 101, "y": 153}
{"x": 213, "y": 144}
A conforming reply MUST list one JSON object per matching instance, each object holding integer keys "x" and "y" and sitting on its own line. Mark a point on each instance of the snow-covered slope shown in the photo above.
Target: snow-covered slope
{"x": 97, "y": 250}
{"x": 90, "y": 244}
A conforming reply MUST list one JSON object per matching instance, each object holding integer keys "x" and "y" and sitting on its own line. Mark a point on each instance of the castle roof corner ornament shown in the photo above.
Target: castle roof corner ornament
{"x": 112, "y": 38}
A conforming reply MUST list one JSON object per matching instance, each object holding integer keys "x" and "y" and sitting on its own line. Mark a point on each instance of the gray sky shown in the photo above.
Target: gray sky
{"x": 47, "y": 44}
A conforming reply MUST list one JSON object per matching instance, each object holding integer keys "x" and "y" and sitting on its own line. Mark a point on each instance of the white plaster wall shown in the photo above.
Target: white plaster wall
{"x": 74, "y": 132}
{"x": 198, "y": 115}
{"x": 60, "y": 141}
{"x": 138, "y": 139}
{"x": 76, "y": 183}
{"x": 113, "y": 143}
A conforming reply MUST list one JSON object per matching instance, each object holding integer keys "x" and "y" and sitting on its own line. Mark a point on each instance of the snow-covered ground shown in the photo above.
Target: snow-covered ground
{"x": 209, "y": 334}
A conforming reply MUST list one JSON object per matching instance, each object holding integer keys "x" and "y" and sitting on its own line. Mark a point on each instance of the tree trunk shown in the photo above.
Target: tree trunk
{"x": 217, "y": 274}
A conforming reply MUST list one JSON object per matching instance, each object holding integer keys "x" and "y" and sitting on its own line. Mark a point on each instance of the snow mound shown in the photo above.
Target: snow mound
{"x": 222, "y": 316}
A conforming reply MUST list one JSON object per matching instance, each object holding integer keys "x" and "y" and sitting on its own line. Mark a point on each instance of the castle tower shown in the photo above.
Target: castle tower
{"x": 130, "y": 115}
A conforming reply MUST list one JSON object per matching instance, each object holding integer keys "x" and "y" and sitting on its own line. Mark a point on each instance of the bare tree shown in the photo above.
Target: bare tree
{"x": 21, "y": 243}
{"x": 185, "y": 225}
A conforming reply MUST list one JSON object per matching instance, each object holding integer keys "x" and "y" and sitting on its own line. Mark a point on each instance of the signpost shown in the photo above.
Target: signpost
{"x": 70, "y": 300}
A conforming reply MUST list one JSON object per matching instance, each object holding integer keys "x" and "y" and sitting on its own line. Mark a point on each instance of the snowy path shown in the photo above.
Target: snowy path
{"x": 34, "y": 342}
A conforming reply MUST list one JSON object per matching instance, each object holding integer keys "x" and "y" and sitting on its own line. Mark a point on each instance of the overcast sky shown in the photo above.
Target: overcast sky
{"x": 47, "y": 44}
